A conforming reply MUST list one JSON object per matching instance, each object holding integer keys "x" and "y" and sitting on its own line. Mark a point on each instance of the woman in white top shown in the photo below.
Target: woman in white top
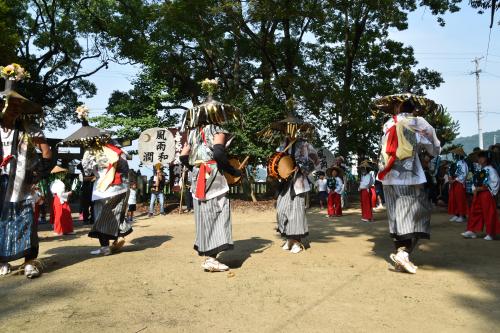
{"x": 367, "y": 180}
{"x": 483, "y": 211}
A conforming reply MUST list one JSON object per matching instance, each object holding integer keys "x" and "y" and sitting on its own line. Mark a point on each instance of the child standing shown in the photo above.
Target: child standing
{"x": 61, "y": 211}
{"x": 483, "y": 209}
{"x": 335, "y": 189}
{"x": 457, "y": 198}
{"x": 132, "y": 201}
{"x": 322, "y": 190}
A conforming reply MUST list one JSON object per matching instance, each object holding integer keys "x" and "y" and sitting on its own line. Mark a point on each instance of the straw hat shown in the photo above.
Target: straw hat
{"x": 329, "y": 171}
{"x": 458, "y": 151}
{"x": 367, "y": 164}
{"x": 58, "y": 169}
{"x": 389, "y": 104}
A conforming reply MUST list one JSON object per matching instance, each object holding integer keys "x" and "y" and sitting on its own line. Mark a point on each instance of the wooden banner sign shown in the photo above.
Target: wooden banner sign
{"x": 157, "y": 145}
{"x": 326, "y": 158}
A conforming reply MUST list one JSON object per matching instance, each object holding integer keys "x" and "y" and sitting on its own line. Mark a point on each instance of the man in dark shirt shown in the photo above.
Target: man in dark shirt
{"x": 157, "y": 185}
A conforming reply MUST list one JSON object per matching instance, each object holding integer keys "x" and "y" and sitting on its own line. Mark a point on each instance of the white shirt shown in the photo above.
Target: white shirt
{"x": 493, "y": 180}
{"x": 132, "y": 197}
{"x": 366, "y": 181}
{"x": 462, "y": 171}
{"x": 21, "y": 189}
{"x": 410, "y": 171}
{"x": 322, "y": 185}
{"x": 58, "y": 187}
{"x": 339, "y": 185}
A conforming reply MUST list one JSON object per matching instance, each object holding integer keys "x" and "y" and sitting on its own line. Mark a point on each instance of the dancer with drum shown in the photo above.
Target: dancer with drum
{"x": 408, "y": 207}
{"x": 205, "y": 154}
{"x": 291, "y": 165}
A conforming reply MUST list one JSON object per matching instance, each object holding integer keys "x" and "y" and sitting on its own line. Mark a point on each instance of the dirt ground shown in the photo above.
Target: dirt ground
{"x": 343, "y": 283}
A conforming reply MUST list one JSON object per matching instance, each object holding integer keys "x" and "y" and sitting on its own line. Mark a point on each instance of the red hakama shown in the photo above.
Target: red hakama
{"x": 457, "y": 199}
{"x": 373, "y": 194}
{"x": 483, "y": 211}
{"x": 61, "y": 216}
{"x": 334, "y": 204}
{"x": 366, "y": 204}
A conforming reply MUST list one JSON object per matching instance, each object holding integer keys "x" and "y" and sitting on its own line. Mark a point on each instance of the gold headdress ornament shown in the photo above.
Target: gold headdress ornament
{"x": 291, "y": 126}
{"x": 12, "y": 101}
{"x": 211, "y": 111}
{"x": 389, "y": 104}
{"x": 87, "y": 135}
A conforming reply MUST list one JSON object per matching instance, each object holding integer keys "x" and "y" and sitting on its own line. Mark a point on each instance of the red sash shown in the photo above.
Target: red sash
{"x": 202, "y": 179}
{"x": 390, "y": 149}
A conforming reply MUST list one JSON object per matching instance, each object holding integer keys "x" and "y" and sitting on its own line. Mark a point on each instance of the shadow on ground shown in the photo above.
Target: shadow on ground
{"x": 446, "y": 250}
{"x": 64, "y": 256}
{"x": 245, "y": 249}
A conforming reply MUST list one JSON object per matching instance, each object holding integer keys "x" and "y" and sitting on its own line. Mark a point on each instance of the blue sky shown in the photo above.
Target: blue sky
{"x": 448, "y": 49}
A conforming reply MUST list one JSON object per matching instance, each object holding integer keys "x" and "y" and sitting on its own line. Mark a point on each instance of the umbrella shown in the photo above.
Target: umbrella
{"x": 388, "y": 104}
{"x": 58, "y": 169}
{"x": 211, "y": 112}
{"x": 12, "y": 101}
{"x": 87, "y": 134}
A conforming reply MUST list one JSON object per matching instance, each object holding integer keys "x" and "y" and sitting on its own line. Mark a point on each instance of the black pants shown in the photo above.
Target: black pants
{"x": 86, "y": 202}
{"x": 189, "y": 199}
{"x": 104, "y": 241}
{"x": 408, "y": 244}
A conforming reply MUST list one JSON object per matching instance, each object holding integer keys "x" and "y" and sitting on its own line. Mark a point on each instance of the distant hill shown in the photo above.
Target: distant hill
{"x": 470, "y": 142}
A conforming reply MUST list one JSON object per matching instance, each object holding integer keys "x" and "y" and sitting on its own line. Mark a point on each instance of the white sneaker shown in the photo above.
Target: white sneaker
{"x": 4, "y": 269}
{"x": 469, "y": 234}
{"x": 105, "y": 250}
{"x": 403, "y": 260}
{"x": 453, "y": 218}
{"x": 365, "y": 220}
{"x": 460, "y": 219}
{"x": 213, "y": 265}
{"x": 32, "y": 271}
{"x": 297, "y": 247}
{"x": 287, "y": 246}
{"x": 488, "y": 238}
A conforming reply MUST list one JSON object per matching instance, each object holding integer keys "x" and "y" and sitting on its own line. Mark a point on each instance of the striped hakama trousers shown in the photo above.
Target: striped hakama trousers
{"x": 291, "y": 214}
{"x": 109, "y": 215}
{"x": 18, "y": 232}
{"x": 409, "y": 211}
{"x": 213, "y": 226}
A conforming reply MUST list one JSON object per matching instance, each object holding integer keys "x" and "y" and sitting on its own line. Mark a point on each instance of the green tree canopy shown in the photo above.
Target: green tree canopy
{"x": 331, "y": 57}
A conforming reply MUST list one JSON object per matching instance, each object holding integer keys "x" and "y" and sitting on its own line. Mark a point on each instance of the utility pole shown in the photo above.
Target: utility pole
{"x": 479, "y": 129}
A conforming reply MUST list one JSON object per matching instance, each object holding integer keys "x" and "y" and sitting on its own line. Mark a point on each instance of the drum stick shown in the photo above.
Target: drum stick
{"x": 245, "y": 162}
{"x": 289, "y": 145}
{"x": 182, "y": 188}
